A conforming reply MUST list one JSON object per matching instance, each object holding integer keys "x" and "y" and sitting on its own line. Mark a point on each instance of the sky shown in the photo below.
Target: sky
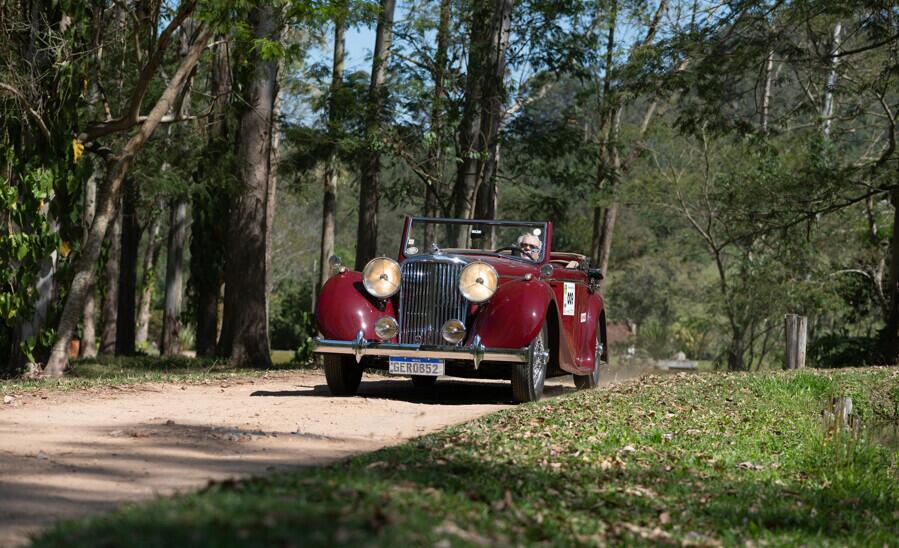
{"x": 359, "y": 43}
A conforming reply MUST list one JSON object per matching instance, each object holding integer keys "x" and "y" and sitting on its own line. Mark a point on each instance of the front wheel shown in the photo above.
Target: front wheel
{"x": 343, "y": 374}
{"x": 528, "y": 378}
{"x": 586, "y": 382}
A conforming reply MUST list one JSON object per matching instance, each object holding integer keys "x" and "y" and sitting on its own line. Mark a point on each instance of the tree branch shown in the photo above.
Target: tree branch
{"x": 132, "y": 117}
{"x": 33, "y": 113}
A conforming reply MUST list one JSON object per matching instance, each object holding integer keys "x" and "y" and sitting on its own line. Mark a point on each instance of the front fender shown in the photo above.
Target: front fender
{"x": 344, "y": 308}
{"x": 514, "y": 315}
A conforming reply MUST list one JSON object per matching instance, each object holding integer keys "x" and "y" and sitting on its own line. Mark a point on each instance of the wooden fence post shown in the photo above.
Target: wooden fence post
{"x": 795, "y": 328}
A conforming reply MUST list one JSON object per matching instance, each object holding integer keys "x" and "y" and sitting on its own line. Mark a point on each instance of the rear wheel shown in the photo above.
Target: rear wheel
{"x": 586, "y": 382}
{"x": 528, "y": 378}
{"x": 423, "y": 381}
{"x": 343, "y": 374}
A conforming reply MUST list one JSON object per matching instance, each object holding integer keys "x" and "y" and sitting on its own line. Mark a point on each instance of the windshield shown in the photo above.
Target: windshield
{"x": 517, "y": 239}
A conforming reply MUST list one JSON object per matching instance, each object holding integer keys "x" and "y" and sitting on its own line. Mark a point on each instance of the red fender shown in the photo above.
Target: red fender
{"x": 587, "y": 343}
{"x": 514, "y": 315}
{"x": 344, "y": 307}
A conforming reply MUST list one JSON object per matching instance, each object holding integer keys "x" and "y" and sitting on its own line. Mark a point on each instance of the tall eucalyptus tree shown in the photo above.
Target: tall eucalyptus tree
{"x": 370, "y": 176}
{"x": 244, "y": 338}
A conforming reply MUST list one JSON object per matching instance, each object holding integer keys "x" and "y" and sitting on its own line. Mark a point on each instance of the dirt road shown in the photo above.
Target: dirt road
{"x": 69, "y": 454}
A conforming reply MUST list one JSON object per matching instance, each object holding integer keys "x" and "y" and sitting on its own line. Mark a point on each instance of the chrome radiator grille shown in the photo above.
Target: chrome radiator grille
{"x": 429, "y": 296}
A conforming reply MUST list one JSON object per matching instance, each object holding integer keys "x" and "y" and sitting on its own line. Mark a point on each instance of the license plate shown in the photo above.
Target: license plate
{"x": 428, "y": 367}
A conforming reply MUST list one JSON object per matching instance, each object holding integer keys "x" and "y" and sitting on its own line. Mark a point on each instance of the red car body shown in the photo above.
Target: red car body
{"x": 530, "y": 298}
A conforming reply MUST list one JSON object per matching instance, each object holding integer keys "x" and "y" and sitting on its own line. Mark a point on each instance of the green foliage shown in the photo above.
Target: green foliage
{"x": 840, "y": 350}
{"x": 34, "y": 226}
{"x": 291, "y": 321}
{"x": 656, "y": 338}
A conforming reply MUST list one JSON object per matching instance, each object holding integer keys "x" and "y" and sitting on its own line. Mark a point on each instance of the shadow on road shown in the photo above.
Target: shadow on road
{"x": 444, "y": 392}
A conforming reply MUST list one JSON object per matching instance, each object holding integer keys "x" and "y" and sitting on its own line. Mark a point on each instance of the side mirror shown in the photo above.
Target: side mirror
{"x": 595, "y": 274}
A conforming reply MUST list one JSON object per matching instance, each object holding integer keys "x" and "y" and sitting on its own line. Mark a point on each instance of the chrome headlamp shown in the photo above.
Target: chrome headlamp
{"x": 478, "y": 282}
{"x": 381, "y": 277}
{"x": 386, "y": 328}
{"x": 453, "y": 331}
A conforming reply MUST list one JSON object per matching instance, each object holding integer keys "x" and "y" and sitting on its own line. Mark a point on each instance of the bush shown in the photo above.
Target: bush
{"x": 655, "y": 338}
{"x": 835, "y": 350}
{"x": 292, "y": 324}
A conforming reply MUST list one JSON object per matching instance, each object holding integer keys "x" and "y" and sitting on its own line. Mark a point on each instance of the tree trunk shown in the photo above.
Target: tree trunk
{"x": 29, "y": 329}
{"x": 127, "y": 282}
{"x": 475, "y": 190}
{"x": 610, "y": 168}
{"x": 107, "y": 204}
{"x": 890, "y": 334}
{"x": 170, "y": 338}
{"x": 831, "y": 83}
{"x": 111, "y": 298}
{"x": 329, "y": 198}
{"x": 88, "y": 347}
{"x": 270, "y": 200}
{"x": 611, "y": 213}
{"x": 244, "y": 335}
{"x": 435, "y": 161}
{"x": 207, "y": 320}
{"x": 610, "y": 216}
{"x": 469, "y": 126}
{"x": 735, "y": 360}
{"x": 493, "y": 99}
{"x": 367, "y": 233}
{"x": 766, "y": 91}
{"x": 207, "y": 232}
{"x": 148, "y": 279}
{"x": 170, "y": 341}
{"x": 605, "y": 128}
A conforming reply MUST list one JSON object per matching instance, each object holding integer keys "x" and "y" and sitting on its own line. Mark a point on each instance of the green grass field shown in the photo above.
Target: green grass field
{"x": 702, "y": 459}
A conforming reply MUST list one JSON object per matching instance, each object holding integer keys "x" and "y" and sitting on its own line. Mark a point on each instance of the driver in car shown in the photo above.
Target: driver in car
{"x": 529, "y": 245}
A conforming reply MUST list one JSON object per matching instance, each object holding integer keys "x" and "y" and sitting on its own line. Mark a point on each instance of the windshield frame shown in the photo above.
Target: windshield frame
{"x": 545, "y": 226}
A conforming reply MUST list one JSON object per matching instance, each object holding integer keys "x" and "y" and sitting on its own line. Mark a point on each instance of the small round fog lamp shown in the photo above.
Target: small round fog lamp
{"x": 386, "y": 328}
{"x": 453, "y": 331}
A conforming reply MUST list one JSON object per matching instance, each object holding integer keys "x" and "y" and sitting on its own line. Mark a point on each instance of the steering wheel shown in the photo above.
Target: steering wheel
{"x": 516, "y": 251}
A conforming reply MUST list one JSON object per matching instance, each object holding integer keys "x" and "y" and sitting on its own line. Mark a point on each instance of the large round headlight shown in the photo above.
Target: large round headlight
{"x": 478, "y": 282}
{"x": 381, "y": 277}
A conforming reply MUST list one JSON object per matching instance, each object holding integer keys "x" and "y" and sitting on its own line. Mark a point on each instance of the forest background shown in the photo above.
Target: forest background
{"x": 176, "y": 173}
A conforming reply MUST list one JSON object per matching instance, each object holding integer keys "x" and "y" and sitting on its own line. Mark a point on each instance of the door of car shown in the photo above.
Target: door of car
{"x": 572, "y": 295}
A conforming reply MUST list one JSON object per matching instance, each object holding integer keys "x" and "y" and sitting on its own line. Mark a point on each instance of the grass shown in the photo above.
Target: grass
{"x": 690, "y": 459}
{"x": 106, "y": 371}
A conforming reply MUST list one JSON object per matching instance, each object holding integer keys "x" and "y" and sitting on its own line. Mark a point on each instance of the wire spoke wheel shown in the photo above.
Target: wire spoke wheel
{"x": 528, "y": 378}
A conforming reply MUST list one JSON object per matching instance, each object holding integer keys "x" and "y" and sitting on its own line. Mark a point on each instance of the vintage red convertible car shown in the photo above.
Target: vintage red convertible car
{"x": 466, "y": 298}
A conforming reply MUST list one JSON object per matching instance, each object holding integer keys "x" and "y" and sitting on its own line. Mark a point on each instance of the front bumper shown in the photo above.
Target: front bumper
{"x": 476, "y": 353}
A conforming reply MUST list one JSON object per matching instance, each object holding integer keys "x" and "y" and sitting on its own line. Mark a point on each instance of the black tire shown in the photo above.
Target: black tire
{"x": 588, "y": 382}
{"x": 528, "y": 378}
{"x": 343, "y": 374}
{"x": 423, "y": 381}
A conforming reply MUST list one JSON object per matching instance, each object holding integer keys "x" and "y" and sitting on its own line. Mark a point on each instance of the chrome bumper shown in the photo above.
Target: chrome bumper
{"x": 477, "y": 352}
